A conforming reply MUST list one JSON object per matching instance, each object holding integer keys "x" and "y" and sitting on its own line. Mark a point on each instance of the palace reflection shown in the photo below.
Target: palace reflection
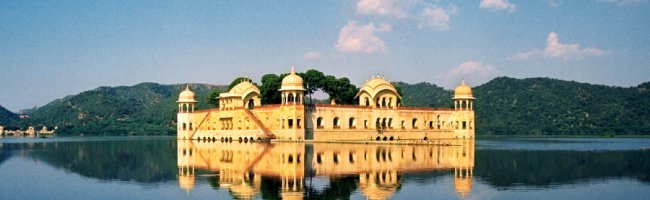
{"x": 374, "y": 170}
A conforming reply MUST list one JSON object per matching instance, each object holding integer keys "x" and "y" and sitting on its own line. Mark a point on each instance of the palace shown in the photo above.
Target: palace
{"x": 378, "y": 116}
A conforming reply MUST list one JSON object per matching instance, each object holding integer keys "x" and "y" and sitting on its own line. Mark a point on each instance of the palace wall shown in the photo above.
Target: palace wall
{"x": 327, "y": 123}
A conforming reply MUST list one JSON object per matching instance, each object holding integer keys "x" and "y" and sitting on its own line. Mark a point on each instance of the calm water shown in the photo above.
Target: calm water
{"x": 162, "y": 168}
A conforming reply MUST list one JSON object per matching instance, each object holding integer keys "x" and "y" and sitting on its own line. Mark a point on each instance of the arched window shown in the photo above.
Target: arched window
{"x": 430, "y": 124}
{"x": 290, "y": 98}
{"x": 319, "y": 122}
{"x": 335, "y": 122}
{"x": 352, "y": 123}
{"x": 403, "y": 124}
{"x": 390, "y": 123}
{"x": 414, "y": 124}
{"x": 378, "y": 124}
{"x": 367, "y": 102}
{"x": 251, "y": 104}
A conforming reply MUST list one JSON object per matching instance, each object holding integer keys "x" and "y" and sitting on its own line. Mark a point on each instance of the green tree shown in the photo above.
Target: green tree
{"x": 313, "y": 81}
{"x": 211, "y": 99}
{"x": 270, "y": 89}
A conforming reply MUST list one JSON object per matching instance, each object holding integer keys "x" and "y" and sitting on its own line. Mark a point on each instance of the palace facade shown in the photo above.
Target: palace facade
{"x": 378, "y": 116}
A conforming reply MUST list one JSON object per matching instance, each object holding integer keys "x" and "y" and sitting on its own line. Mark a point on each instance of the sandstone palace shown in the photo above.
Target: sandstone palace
{"x": 377, "y": 117}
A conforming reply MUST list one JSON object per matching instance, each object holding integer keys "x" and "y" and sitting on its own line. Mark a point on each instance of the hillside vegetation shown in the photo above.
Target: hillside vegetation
{"x": 7, "y": 117}
{"x": 504, "y": 106}
{"x": 143, "y": 109}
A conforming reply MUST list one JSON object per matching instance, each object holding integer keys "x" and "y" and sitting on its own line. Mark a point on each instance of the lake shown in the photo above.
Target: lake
{"x": 164, "y": 168}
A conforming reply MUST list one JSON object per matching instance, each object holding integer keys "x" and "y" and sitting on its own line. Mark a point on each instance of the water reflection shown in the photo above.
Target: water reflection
{"x": 285, "y": 170}
{"x": 155, "y": 167}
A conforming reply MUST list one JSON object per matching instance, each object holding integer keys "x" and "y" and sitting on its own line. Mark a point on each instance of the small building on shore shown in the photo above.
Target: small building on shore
{"x": 377, "y": 117}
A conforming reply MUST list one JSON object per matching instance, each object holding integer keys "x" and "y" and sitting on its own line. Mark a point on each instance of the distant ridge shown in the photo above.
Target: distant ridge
{"x": 504, "y": 106}
{"x": 7, "y": 117}
{"x": 142, "y": 109}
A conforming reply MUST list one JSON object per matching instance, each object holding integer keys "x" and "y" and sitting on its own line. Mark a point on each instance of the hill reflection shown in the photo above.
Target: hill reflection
{"x": 282, "y": 170}
{"x": 324, "y": 170}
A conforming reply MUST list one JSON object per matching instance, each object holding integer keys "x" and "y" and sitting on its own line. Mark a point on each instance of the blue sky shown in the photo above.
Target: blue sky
{"x": 51, "y": 49}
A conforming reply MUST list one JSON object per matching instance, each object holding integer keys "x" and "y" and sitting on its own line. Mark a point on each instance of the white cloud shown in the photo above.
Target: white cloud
{"x": 473, "y": 72}
{"x": 497, "y": 5}
{"x": 392, "y": 8}
{"x": 355, "y": 38}
{"x": 313, "y": 55}
{"x": 623, "y": 2}
{"x": 436, "y": 17}
{"x": 555, "y": 49}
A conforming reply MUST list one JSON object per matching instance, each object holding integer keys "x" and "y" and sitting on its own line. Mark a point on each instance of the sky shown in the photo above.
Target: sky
{"x": 52, "y": 49}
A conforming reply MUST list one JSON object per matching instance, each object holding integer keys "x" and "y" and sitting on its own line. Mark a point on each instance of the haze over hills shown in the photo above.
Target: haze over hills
{"x": 504, "y": 106}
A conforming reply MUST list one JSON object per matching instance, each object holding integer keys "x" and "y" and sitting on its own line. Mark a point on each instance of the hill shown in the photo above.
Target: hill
{"x": 550, "y": 106}
{"x": 143, "y": 109}
{"x": 7, "y": 117}
{"x": 542, "y": 106}
{"x": 504, "y": 106}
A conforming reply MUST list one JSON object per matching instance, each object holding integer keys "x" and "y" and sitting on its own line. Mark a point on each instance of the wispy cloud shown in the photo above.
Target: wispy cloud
{"x": 497, "y": 5}
{"x": 555, "y": 49}
{"x": 471, "y": 71}
{"x": 355, "y": 38}
{"x": 312, "y": 55}
{"x": 623, "y": 2}
{"x": 392, "y": 8}
{"x": 436, "y": 17}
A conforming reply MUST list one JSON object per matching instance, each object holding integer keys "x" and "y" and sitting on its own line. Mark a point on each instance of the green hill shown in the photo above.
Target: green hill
{"x": 7, "y": 117}
{"x": 504, "y": 106}
{"x": 143, "y": 109}
{"x": 542, "y": 106}
{"x": 550, "y": 106}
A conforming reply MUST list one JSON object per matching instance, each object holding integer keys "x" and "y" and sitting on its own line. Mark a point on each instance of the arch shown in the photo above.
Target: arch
{"x": 352, "y": 123}
{"x": 385, "y": 138}
{"x": 391, "y": 138}
{"x": 430, "y": 124}
{"x": 390, "y": 123}
{"x": 335, "y": 122}
{"x": 384, "y": 123}
{"x": 251, "y": 104}
{"x": 378, "y": 124}
{"x": 290, "y": 98}
{"x": 403, "y": 124}
{"x": 414, "y": 123}
{"x": 319, "y": 122}
{"x": 378, "y": 138}
{"x": 367, "y": 102}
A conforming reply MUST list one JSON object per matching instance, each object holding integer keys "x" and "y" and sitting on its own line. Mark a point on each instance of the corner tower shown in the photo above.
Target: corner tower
{"x": 186, "y": 106}
{"x": 464, "y": 111}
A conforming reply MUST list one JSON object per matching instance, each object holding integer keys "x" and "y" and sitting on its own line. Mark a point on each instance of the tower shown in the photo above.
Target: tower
{"x": 292, "y": 91}
{"x": 464, "y": 111}
{"x": 186, "y": 106}
{"x": 292, "y": 118}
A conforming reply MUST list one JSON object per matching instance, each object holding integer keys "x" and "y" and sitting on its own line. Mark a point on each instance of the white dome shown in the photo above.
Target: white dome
{"x": 186, "y": 96}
